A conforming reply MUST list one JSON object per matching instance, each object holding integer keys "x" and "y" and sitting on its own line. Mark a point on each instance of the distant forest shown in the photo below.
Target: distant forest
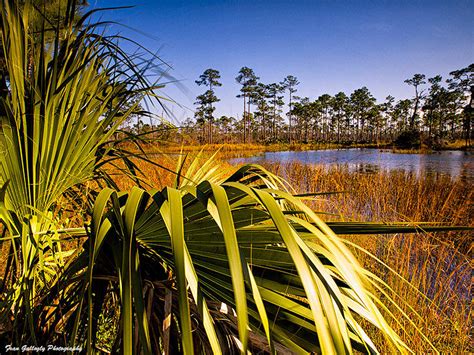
{"x": 439, "y": 111}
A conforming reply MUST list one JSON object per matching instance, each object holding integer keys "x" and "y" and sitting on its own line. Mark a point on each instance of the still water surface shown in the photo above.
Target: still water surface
{"x": 454, "y": 163}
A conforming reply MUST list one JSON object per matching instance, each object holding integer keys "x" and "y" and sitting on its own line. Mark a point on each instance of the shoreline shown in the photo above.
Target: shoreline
{"x": 251, "y": 148}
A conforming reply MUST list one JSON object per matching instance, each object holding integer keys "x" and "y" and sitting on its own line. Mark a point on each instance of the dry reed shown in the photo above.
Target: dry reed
{"x": 436, "y": 266}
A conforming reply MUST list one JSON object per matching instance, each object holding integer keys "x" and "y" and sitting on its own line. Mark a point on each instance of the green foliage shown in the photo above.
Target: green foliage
{"x": 233, "y": 243}
{"x": 408, "y": 139}
{"x": 65, "y": 100}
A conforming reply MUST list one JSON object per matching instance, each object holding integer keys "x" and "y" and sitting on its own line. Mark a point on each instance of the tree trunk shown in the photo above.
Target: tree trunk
{"x": 245, "y": 126}
{"x": 415, "y": 110}
{"x": 248, "y": 123}
{"x": 274, "y": 119}
{"x": 289, "y": 121}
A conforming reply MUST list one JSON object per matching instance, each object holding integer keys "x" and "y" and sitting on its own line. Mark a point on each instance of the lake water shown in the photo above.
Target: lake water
{"x": 454, "y": 163}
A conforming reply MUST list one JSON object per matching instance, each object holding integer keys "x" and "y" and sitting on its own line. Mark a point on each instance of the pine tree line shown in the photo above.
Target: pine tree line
{"x": 439, "y": 110}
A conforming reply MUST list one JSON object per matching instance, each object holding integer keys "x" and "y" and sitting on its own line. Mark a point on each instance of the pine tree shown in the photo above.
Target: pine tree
{"x": 209, "y": 78}
{"x": 290, "y": 83}
{"x": 248, "y": 80}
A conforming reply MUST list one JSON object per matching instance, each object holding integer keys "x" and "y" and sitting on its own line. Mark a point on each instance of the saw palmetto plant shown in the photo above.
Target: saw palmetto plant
{"x": 63, "y": 99}
{"x": 213, "y": 264}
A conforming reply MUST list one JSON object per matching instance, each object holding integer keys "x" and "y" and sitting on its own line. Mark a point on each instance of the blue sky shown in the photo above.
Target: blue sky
{"x": 330, "y": 46}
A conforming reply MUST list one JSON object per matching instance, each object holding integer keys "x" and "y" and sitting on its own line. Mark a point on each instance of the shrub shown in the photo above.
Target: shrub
{"x": 408, "y": 139}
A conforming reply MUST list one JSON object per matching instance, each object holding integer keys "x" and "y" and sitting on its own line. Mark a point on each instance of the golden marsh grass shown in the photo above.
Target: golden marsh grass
{"x": 436, "y": 266}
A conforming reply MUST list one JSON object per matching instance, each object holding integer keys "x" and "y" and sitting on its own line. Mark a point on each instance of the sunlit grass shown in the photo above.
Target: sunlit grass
{"x": 436, "y": 265}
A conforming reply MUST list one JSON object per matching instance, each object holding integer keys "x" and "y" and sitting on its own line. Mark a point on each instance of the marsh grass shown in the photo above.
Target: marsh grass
{"x": 435, "y": 267}
{"x": 240, "y": 150}
{"x": 225, "y": 151}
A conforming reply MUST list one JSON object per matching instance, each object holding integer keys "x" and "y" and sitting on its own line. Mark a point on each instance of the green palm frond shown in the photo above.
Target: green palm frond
{"x": 59, "y": 111}
{"x": 230, "y": 243}
{"x": 67, "y": 96}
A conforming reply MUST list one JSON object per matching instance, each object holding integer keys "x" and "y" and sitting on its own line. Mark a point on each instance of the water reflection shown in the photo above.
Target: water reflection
{"x": 454, "y": 163}
{"x": 365, "y": 168}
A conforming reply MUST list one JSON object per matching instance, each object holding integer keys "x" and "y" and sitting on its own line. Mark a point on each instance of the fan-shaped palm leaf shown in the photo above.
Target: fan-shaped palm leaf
{"x": 65, "y": 100}
{"x": 288, "y": 278}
